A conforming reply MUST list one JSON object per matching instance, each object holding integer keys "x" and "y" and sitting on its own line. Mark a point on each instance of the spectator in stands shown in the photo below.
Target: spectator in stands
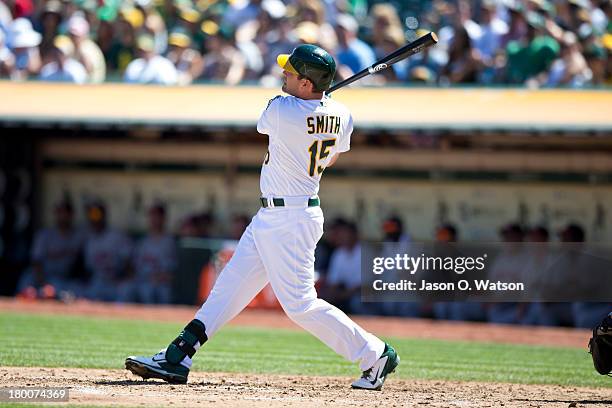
{"x": 86, "y": 51}
{"x": 254, "y": 63}
{"x": 464, "y": 61}
{"x": 7, "y": 59}
{"x": 596, "y": 58}
{"x": 307, "y": 32}
{"x": 352, "y": 51}
{"x": 189, "y": 21}
{"x": 187, "y": 61}
{"x": 313, "y": 11}
{"x": 169, "y": 11}
{"x": 383, "y": 16}
{"x": 61, "y": 66}
{"x": 223, "y": 62}
{"x": 55, "y": 255}
{"x": 600, "y": 13}
{"x": 393, "y": 38}
{"x": 492, "y": 30}
{"x": 517, "y": 26}
{"x": 579, "y": 14}
{"x": 107, "y": 254}
{"x": 150, "y": 68}
{"x": 155, "y": 261}
{"x": 532, "y": 57}
{"x": 238, "y": 13}
{"x": 6, "y": 16}
{"x": 24, "y": 42}
{"x": 343, "y": 281}
{"x": 273, "y": 38}
{"x": 425, "y": 66}
{"x": 105, "y": 35}
{"x": 50, "y": 21}
{"x": 266, "y": 29}
{"x": 570, "y": 69}
{"x": 464, "y": 17}
{"x": 565, "y": 15}
{"x": 489, "y": 42}
{"x": 507, "y": 42}
{"x": 123, "y": 49}
{"x": 154, "y": 24}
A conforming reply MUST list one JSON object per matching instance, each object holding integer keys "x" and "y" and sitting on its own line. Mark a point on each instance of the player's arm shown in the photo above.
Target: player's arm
{"x": 268, "y": 120}
{"x": 344, "y": 141}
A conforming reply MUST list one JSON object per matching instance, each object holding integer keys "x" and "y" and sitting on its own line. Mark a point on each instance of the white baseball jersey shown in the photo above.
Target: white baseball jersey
{"x": 304, "y": 135}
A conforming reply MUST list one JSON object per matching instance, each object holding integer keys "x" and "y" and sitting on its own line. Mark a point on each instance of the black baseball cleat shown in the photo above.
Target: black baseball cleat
{"x": 374, "y": 377}
{"x": 157, "y": 367}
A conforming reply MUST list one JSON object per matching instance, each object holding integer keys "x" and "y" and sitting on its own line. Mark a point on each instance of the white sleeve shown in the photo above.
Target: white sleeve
{"x": 131, "y": 75}
{"x": 269, "y": 118}
{"x": 79, "y": 73}
{"x": 345, "y": 140}
{"x": 169, "y": 76}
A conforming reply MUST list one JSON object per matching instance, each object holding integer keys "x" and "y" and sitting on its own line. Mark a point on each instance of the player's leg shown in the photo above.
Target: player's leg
{"x": 286, "y": 246}
{"x": 241, "y": 279}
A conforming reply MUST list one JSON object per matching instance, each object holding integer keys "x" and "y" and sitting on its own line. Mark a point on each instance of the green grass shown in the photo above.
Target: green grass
{"x": 71, "y": 341}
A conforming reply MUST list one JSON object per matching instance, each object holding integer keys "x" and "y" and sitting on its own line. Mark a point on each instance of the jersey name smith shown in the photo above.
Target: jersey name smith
{"x": 323, "y": 124}
{"x": 303, "y": 137}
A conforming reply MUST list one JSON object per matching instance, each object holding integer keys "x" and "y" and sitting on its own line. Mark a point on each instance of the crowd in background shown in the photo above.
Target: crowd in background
{"x": 537, "y": 43}
{"x": 101, "y": 263}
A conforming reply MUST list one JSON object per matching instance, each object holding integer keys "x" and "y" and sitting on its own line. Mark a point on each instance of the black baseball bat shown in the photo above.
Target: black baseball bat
{"x": 401, "y": 53}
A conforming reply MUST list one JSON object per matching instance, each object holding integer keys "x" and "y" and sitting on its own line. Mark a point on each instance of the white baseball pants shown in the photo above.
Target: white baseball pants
{"x": 278, "y": 247}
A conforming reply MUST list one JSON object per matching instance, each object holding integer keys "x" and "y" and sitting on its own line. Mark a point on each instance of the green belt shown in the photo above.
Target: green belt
{"x": 279, "y": 202}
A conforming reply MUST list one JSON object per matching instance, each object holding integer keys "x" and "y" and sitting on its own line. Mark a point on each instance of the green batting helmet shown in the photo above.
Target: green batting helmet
{"x": 312, "y": 62}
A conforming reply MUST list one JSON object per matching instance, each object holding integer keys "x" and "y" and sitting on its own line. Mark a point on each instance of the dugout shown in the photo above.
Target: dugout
{"x": 475, "y": 157}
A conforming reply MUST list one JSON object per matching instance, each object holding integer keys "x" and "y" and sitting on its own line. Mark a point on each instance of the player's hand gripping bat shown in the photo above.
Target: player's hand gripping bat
{"x": 401, "y": 53}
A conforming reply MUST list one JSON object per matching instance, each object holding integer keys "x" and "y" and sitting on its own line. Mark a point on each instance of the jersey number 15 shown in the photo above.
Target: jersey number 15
{"x": 320, "y": 147}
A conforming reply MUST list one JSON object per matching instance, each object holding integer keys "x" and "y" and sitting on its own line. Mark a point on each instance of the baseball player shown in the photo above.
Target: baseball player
{"x": 55, "y": 253}
{"x": 154, "y": 261}
{"x": 106, "y": 254}
{"x": 307, "y": 132}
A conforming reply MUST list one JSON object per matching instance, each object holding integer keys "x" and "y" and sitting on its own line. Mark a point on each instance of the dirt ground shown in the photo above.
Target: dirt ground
{"x": 121, "y": 388}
